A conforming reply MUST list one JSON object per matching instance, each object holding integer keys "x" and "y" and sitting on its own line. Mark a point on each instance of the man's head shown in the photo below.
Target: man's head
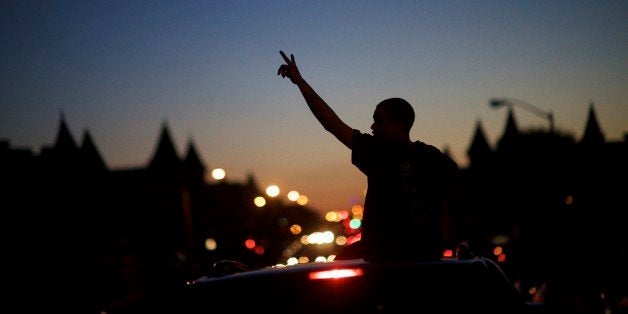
{"x": 393, "y": 118}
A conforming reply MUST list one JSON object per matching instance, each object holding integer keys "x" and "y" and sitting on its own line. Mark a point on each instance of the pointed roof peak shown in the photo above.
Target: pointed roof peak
{"x": 511, "y": 123}
{"x": 511, "y": 134}
{"x": 479, "y": 145}
{"x": 192, "y": 158}
{"x": 90, "y": 152}
{"x": 191, "y": 150}
{"x": 190, "y": 140}
{"x": 478, "y": 123}
{"x": 592, "y": 132}
{"x": 165, "y": 153}
{"x": 165, "y": 124}
{"x": 250, "y": 180}
{"x": 164, "y": 134}
{"x": 64, "y": 140}
{"x": 86, "y": 135}
{"x": 511, "y": 130}
{"x": 479, "y": 129}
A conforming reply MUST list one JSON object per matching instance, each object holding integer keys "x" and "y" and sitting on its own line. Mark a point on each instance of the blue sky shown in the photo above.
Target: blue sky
{"x": 121, "y": 69}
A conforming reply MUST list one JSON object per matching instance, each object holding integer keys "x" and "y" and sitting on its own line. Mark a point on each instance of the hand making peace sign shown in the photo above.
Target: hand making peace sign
{"x": 289, "y": 69}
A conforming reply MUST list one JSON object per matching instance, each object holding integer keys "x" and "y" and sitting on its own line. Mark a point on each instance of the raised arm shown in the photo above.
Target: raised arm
{"x": 323, "y": 113}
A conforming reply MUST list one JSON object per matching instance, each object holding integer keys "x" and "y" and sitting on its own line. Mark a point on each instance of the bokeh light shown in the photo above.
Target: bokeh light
{"x": 210, "y": 244}
{"x": 355, "y": 223}
{"x": 293, "y": 195}
{"x": 272, "y": 190}
{"x": 448, "y": 253}
{"x": 259, "y": 201}
{"x": 218, "y": 173}
{"x": 249, "y": 243}
{"x": 321, "y": 237}
{"x": 357, "y": 209}
{"x": 569, "y": 199}
{"x": 259, "y": 250}
{"x": 282, "y": 221}
{"x": 343, "y": 214}
{"x": 332, "y": 216}
{"x": 305, "y": 239}
{"x": 320, "y": 259}
{"x": 302, "y": 200}
{"x": 295, "y": 229}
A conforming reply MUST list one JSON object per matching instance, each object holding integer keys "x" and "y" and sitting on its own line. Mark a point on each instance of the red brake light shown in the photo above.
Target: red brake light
{"x": 336, "y": 273}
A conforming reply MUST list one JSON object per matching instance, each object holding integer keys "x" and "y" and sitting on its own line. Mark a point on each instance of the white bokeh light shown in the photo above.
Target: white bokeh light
{"x": 259, "y": 201}
{"x": 293, "y": 196}
{"x": 272, "y": 190}
{"x": 218, "y": 173}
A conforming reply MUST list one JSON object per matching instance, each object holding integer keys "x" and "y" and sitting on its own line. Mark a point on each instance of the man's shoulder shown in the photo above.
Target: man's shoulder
{"x": 422, "y": 147}
{"x": 360, "y": 137}
{"x": 425, "y": 150}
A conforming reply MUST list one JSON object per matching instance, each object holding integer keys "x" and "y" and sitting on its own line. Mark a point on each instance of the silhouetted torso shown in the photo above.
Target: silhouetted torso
{"x": 404, "y": 206}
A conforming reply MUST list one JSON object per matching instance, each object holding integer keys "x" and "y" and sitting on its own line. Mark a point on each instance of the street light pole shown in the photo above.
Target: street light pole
{"x": 548, "y": 115}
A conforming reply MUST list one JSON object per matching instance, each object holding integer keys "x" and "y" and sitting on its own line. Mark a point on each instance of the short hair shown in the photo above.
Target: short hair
{"x": 399, "y": 110}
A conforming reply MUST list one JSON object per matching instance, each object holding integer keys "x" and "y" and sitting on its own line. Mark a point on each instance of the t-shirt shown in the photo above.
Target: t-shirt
{"x": 404, "y": 206}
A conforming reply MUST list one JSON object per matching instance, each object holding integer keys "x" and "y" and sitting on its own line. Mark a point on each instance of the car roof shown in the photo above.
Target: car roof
{"x": 357, "y": 286}
{"x": 276, "y": 270}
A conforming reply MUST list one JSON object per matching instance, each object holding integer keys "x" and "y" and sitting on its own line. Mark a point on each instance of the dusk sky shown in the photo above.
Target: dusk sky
{"x": 121, "y": 69}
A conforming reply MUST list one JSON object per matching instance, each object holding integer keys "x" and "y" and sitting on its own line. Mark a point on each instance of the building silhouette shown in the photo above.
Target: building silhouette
{"x": 556, "y": 205}
{"x": 125, "y": 240}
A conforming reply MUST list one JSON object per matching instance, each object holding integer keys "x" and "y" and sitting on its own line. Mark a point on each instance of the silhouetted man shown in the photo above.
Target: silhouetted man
{"x": 408, "y": 181}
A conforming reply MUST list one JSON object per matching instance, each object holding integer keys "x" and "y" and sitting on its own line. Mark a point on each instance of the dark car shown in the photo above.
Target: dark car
{"x": 474, "y": 285}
